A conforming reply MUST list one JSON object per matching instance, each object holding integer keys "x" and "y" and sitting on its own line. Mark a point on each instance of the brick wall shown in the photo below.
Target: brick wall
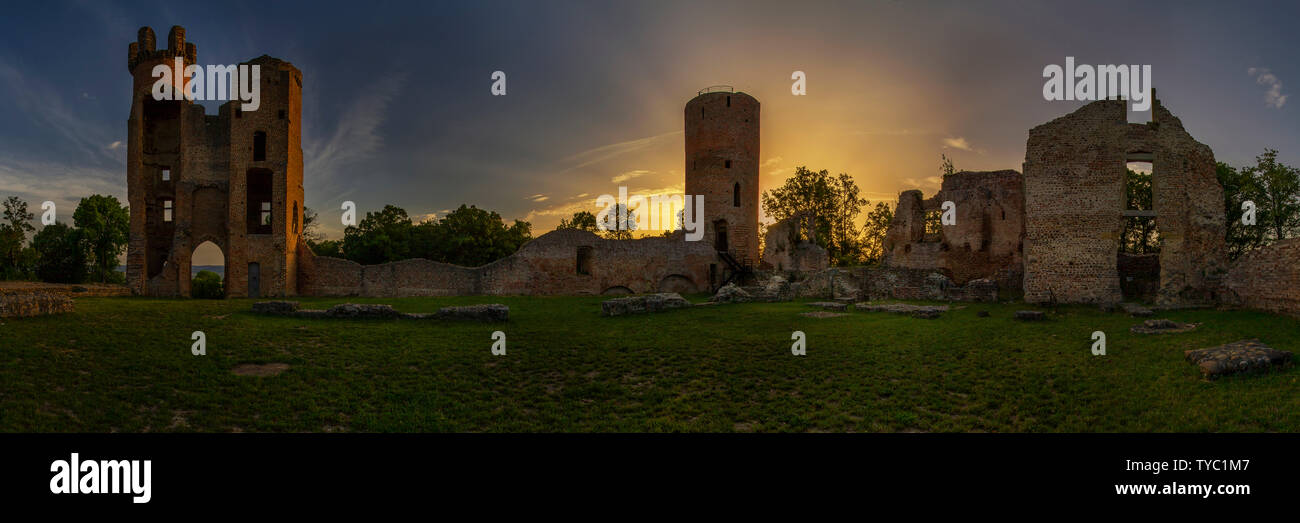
{"x": 1267, "y": 279}
{"x": 545, "y": 265}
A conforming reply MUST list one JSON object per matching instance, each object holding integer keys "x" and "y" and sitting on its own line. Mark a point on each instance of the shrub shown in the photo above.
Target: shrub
{"x": 207, "y": 285}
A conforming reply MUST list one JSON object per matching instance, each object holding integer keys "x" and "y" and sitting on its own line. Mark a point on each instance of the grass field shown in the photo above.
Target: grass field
{"x": 124, "y": 364}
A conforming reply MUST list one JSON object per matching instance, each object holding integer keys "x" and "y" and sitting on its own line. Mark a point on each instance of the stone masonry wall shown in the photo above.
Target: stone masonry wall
{"x": 1075, "y": 171}
{"x": 985, "y": 241}
{"x": 547, "y": 265}
{"x": 1267, "y": 279}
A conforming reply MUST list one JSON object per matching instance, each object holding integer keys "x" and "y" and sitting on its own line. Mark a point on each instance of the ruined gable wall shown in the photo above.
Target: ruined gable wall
{"x": 1074, "y": 196}
{"x": 1190, "y": 217}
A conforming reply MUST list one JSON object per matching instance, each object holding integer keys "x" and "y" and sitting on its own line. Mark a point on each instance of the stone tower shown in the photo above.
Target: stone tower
{"x": 722, "y": 165}
{"x": 234, "y": 179}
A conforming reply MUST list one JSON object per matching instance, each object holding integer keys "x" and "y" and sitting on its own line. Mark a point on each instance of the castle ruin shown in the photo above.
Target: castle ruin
{"x": 233, "y": 179}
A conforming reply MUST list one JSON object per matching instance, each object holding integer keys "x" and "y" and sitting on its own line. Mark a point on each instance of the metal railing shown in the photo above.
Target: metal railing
{"x": 716, "y": 89}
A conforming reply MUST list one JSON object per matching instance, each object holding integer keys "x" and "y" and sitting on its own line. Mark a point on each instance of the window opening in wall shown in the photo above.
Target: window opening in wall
{"x": 166, "y": 174}
{"x": 727, "y": 164}
{"x": 735, "y": 195}
{"x": 584, "y": 260}
{"x": 259, "y": 146}
{"x": 258, "y": 199}
{"x": 1140, "y": 235}
{"x": 167, "y": 210}
{"x": 933, "y": 225}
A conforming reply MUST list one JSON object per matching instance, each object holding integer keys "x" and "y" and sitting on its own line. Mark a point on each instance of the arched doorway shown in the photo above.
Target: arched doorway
{"x": 206, "y": 262}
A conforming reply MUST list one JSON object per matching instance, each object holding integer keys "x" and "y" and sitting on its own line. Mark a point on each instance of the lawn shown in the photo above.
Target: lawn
{"x": 124, "y": 364}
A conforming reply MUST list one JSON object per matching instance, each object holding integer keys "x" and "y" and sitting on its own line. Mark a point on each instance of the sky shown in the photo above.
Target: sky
{"x": 398, "y": 109}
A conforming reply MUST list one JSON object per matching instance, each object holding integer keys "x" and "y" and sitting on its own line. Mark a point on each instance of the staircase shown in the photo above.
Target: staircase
{"x": 739, "y": 268}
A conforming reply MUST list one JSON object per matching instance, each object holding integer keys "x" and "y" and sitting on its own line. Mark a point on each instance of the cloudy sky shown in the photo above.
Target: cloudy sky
{"x": 398, "y": 109}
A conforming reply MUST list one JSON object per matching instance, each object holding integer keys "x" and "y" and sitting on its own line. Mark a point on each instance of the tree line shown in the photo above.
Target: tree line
{"x": 86, "y": 251}
{"x": 467, "y": 236}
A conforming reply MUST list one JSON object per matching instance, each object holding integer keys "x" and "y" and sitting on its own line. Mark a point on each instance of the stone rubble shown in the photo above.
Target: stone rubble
{"x": 1162, "y": 327}
{"x": 643, "y": 304}
{"x": 1237, "y": 357}
{"x": 1030, "y": 315}
{"x": 485, "y": 312}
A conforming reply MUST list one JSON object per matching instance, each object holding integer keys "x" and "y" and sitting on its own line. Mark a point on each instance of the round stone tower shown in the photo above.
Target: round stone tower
{"x": 722, "y": 166}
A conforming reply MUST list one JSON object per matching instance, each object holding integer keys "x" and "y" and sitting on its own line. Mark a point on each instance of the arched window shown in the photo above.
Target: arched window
{"x": 735, "y": 195}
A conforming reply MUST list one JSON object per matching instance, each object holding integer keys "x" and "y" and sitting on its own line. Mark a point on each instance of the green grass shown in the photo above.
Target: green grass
{"x": 124, "y": 364}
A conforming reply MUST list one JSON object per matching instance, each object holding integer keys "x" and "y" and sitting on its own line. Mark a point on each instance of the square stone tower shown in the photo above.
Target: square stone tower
{"x": 233, "y": 179}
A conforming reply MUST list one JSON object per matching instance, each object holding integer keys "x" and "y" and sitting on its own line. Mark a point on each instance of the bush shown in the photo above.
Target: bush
{"x": 60, "y": 254}
{"x": 207, "y": 285}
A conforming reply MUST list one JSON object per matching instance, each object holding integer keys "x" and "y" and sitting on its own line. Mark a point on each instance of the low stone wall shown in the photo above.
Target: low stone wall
{"x": 919, "y": 284}
{"x": 71, "y": 290}
{"x": 567, "y": 262}
{"x": 1266, "y": 279}
{"x": 28, "y": 304}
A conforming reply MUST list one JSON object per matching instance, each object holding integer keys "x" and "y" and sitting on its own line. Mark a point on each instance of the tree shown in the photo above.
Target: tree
{"x": 873, "y": 232}
{"x": 1238, "y": 187}
{"x": 582, "y": 220}
{"x": 469, "y": 236}
{"x": 207, "y": 285}
{"x": 828, "y": 206}
{"x": 333, "y": 248}
{"x": 946, "y": 167}
{"x": 1276, "y": 193}
{"x": 61, "y": 255}
{"x": 14, "y": 263}
{"x": 105, "y": 226}
{"x": 1139, "y": 235}
{"x": 310, "y": 226}
{"x": 381, "y": 237}
{"x": 616, "y": 228}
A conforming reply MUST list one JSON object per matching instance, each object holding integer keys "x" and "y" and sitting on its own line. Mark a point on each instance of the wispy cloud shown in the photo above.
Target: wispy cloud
{"x": 772, "y": 161}
{"x": 1273, "y": 97}
{"x": 957, "y": 143}
{"x": 63, "y": 184}
{"x": 548, "y": 217}
{"x": 606, "y": 152}
{"x": 48, "y": 108}
{"x": 356, "y": 137}
{"x": 629, "y": 175}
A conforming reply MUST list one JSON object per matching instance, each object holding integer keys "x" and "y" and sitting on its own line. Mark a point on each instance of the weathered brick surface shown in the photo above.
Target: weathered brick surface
{"x": 782, "y": 251}
{"x": 210, "y": 158}
{"x": 1075, "y": 169}
{"x": 1267, "y": 278}
{"x": 27, "y": 304}
{"x": 71, "y": 290}
{"x": 722, "y": 152}
{"x": 985, "y": 241}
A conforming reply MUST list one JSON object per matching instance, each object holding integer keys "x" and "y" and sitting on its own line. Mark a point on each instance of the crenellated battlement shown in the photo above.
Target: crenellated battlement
{"x": 144, "y": 49}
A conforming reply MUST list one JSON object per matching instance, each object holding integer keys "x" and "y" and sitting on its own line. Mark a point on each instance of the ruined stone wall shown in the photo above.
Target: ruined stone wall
{"x": 1267, "y": 279}
{"x": 783, "y": 250}
{"x": 985, "y": 241}
{"x": 547, "y": 265}
{"x": 1075, "y": 172}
